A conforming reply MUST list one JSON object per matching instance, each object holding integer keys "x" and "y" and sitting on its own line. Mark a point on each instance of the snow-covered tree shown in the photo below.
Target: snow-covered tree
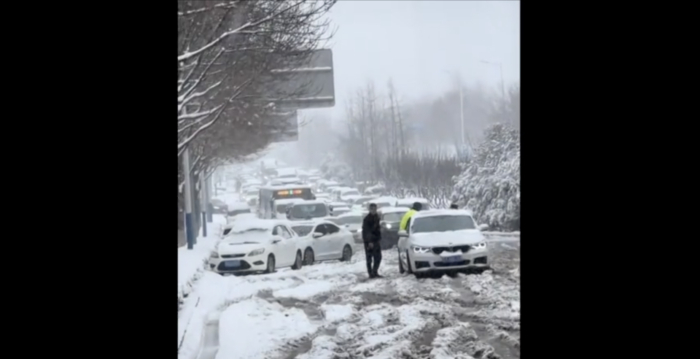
{"x": 490, "y": 182}
{"x": 336, "y": 169}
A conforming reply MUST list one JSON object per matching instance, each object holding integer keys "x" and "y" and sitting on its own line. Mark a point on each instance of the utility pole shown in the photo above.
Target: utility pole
{"x": 203, "y": 201}
{"x": 189, "y": 227}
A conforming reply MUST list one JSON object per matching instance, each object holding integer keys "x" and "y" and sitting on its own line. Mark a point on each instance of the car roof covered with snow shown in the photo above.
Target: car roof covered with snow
{"x": 286, "y": 186}
{"x": 442, "y": 212}
{"x": 309, "y": 222}
{"x": 393, "y": 210}
{"x": 384, "y": 199}
{"x": 350, "y": 214}
{"x": 312, "y": 201}
{"x": 412, "y": 200}
{"x": 256, "y": 223}
{"x": 288, "y": 200}
{"x": 339, "y": 204}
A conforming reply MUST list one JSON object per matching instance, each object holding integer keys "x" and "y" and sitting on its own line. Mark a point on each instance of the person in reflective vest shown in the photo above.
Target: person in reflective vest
{"x": 406, "y": 220}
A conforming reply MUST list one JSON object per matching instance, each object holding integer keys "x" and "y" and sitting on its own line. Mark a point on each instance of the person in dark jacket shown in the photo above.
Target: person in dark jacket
{"x": 371, "y": 235}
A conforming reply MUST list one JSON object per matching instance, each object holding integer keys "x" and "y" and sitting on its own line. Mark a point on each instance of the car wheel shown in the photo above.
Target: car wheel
{"x": 401, "y": 270}
{"x": 270, "y": 264}
{"x": 309, "y": 257}
{"x": 408, "y": 264}
{"x": 347, "y": 253}
{"x": 297, "y": 262}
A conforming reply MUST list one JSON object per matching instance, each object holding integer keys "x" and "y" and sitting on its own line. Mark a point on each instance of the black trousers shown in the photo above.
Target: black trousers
{"x": 373, "y": 255}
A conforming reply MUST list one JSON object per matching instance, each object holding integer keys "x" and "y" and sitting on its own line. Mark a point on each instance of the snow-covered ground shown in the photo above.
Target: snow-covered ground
{"x": 331, "y": 310}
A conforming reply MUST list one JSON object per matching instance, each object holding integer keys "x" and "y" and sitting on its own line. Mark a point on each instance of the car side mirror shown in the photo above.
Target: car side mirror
{"x": 483, "y": 227}
{"x": 317, "y": 235}
{"x": 275, "y": 241}
{"x": 347, "y": 226}
{"x": 403, "y": 234}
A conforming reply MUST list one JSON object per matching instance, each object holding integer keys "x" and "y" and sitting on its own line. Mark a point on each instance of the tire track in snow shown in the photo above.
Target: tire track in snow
{"x": 402, "y": 317}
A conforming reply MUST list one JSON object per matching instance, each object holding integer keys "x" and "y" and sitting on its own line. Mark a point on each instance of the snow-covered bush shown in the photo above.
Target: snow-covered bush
{"x": 490, "y": 182}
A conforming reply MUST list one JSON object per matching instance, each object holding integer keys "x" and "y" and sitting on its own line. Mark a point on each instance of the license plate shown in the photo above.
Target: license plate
{"x": 452, "y": 259}
{"x": 232, "y": 264}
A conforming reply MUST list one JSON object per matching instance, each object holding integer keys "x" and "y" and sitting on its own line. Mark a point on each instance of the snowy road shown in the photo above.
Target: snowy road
{"x": 332, "y": 311}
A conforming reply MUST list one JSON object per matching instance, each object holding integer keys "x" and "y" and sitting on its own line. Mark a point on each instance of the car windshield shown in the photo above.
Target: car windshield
{"x": 339, "y": 211}
{"x": 383, "y": 204}
{"x": 281, "y": 208}
{"x": 302, "y": 230}
{"x": 351, "y": 193}
{"x": 347, "y": 220}
{"x": 393, "y": 216}
{"x": 442, "y": 224}
{"x": 309, "y": 211}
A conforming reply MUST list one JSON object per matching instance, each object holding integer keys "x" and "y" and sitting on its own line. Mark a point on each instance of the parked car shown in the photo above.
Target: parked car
{"x": 352, "y": 221}
{"x": 390, "y": 218}
{"x": 323, "y": 240}
{"x": 236, "y": 208}
{"x": 408, "y": 202}
{"x": 306, "y": 210}
{"x": 442, "y": 240}
{"x": 386, "y": 201}
{"x": 257, "y": 246}
{"x": 217, "y": 206}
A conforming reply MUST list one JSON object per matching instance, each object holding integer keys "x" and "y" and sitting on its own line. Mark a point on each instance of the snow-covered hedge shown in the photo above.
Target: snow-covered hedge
{"x": 490, "y": 182}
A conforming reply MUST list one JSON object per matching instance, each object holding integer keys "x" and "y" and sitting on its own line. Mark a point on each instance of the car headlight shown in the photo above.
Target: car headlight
{"x": 359, "y": 230}
{"x": 480, "y": 245}
{"x": 257, "y": 252}
{"x": 388, "y": 226}
{"x": 417, "y": 249}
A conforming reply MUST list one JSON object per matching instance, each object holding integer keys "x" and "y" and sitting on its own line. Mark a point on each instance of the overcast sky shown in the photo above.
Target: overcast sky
{"x": 418, "y": 43}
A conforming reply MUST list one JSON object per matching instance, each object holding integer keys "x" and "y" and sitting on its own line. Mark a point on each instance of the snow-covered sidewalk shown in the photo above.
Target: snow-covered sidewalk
{"x": 190, "y": 263}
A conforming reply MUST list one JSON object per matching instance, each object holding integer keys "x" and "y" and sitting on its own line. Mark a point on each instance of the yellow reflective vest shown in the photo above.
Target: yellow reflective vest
{"x": 406, "y": 217}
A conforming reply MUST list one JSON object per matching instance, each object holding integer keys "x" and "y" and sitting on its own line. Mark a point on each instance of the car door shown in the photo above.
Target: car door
{"x": 284, "y": 250}
{"x": 321, "y": 244}
{"x": 335, "y": 240}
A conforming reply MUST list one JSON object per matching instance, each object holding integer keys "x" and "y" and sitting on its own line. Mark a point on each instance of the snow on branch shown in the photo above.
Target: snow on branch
{"x": 226, "y": 5}
{"x": 226, "y": 34}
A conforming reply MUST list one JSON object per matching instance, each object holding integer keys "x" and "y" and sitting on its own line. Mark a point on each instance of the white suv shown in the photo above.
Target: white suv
{"x": 441, "y": 241}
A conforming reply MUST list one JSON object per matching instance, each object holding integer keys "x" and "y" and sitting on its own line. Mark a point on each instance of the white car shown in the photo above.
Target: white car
{"x": 236, "y": 208}
{"x": 281, "y": 206}
{"x": 409, "y": 201}
{"x": 442, "y": 240}
{"x": 308, "y": 210}
{"x": 352, "y": 221}
{"x": 361, "y": 203}
{"x": 323, "y": 240}
{"x": 346, "y": 193}
{"x": 323, "y": 197}
{"x": 385, "y": 201}
{"x": 257, "y": 246}
{"x": 338, "y": 207}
